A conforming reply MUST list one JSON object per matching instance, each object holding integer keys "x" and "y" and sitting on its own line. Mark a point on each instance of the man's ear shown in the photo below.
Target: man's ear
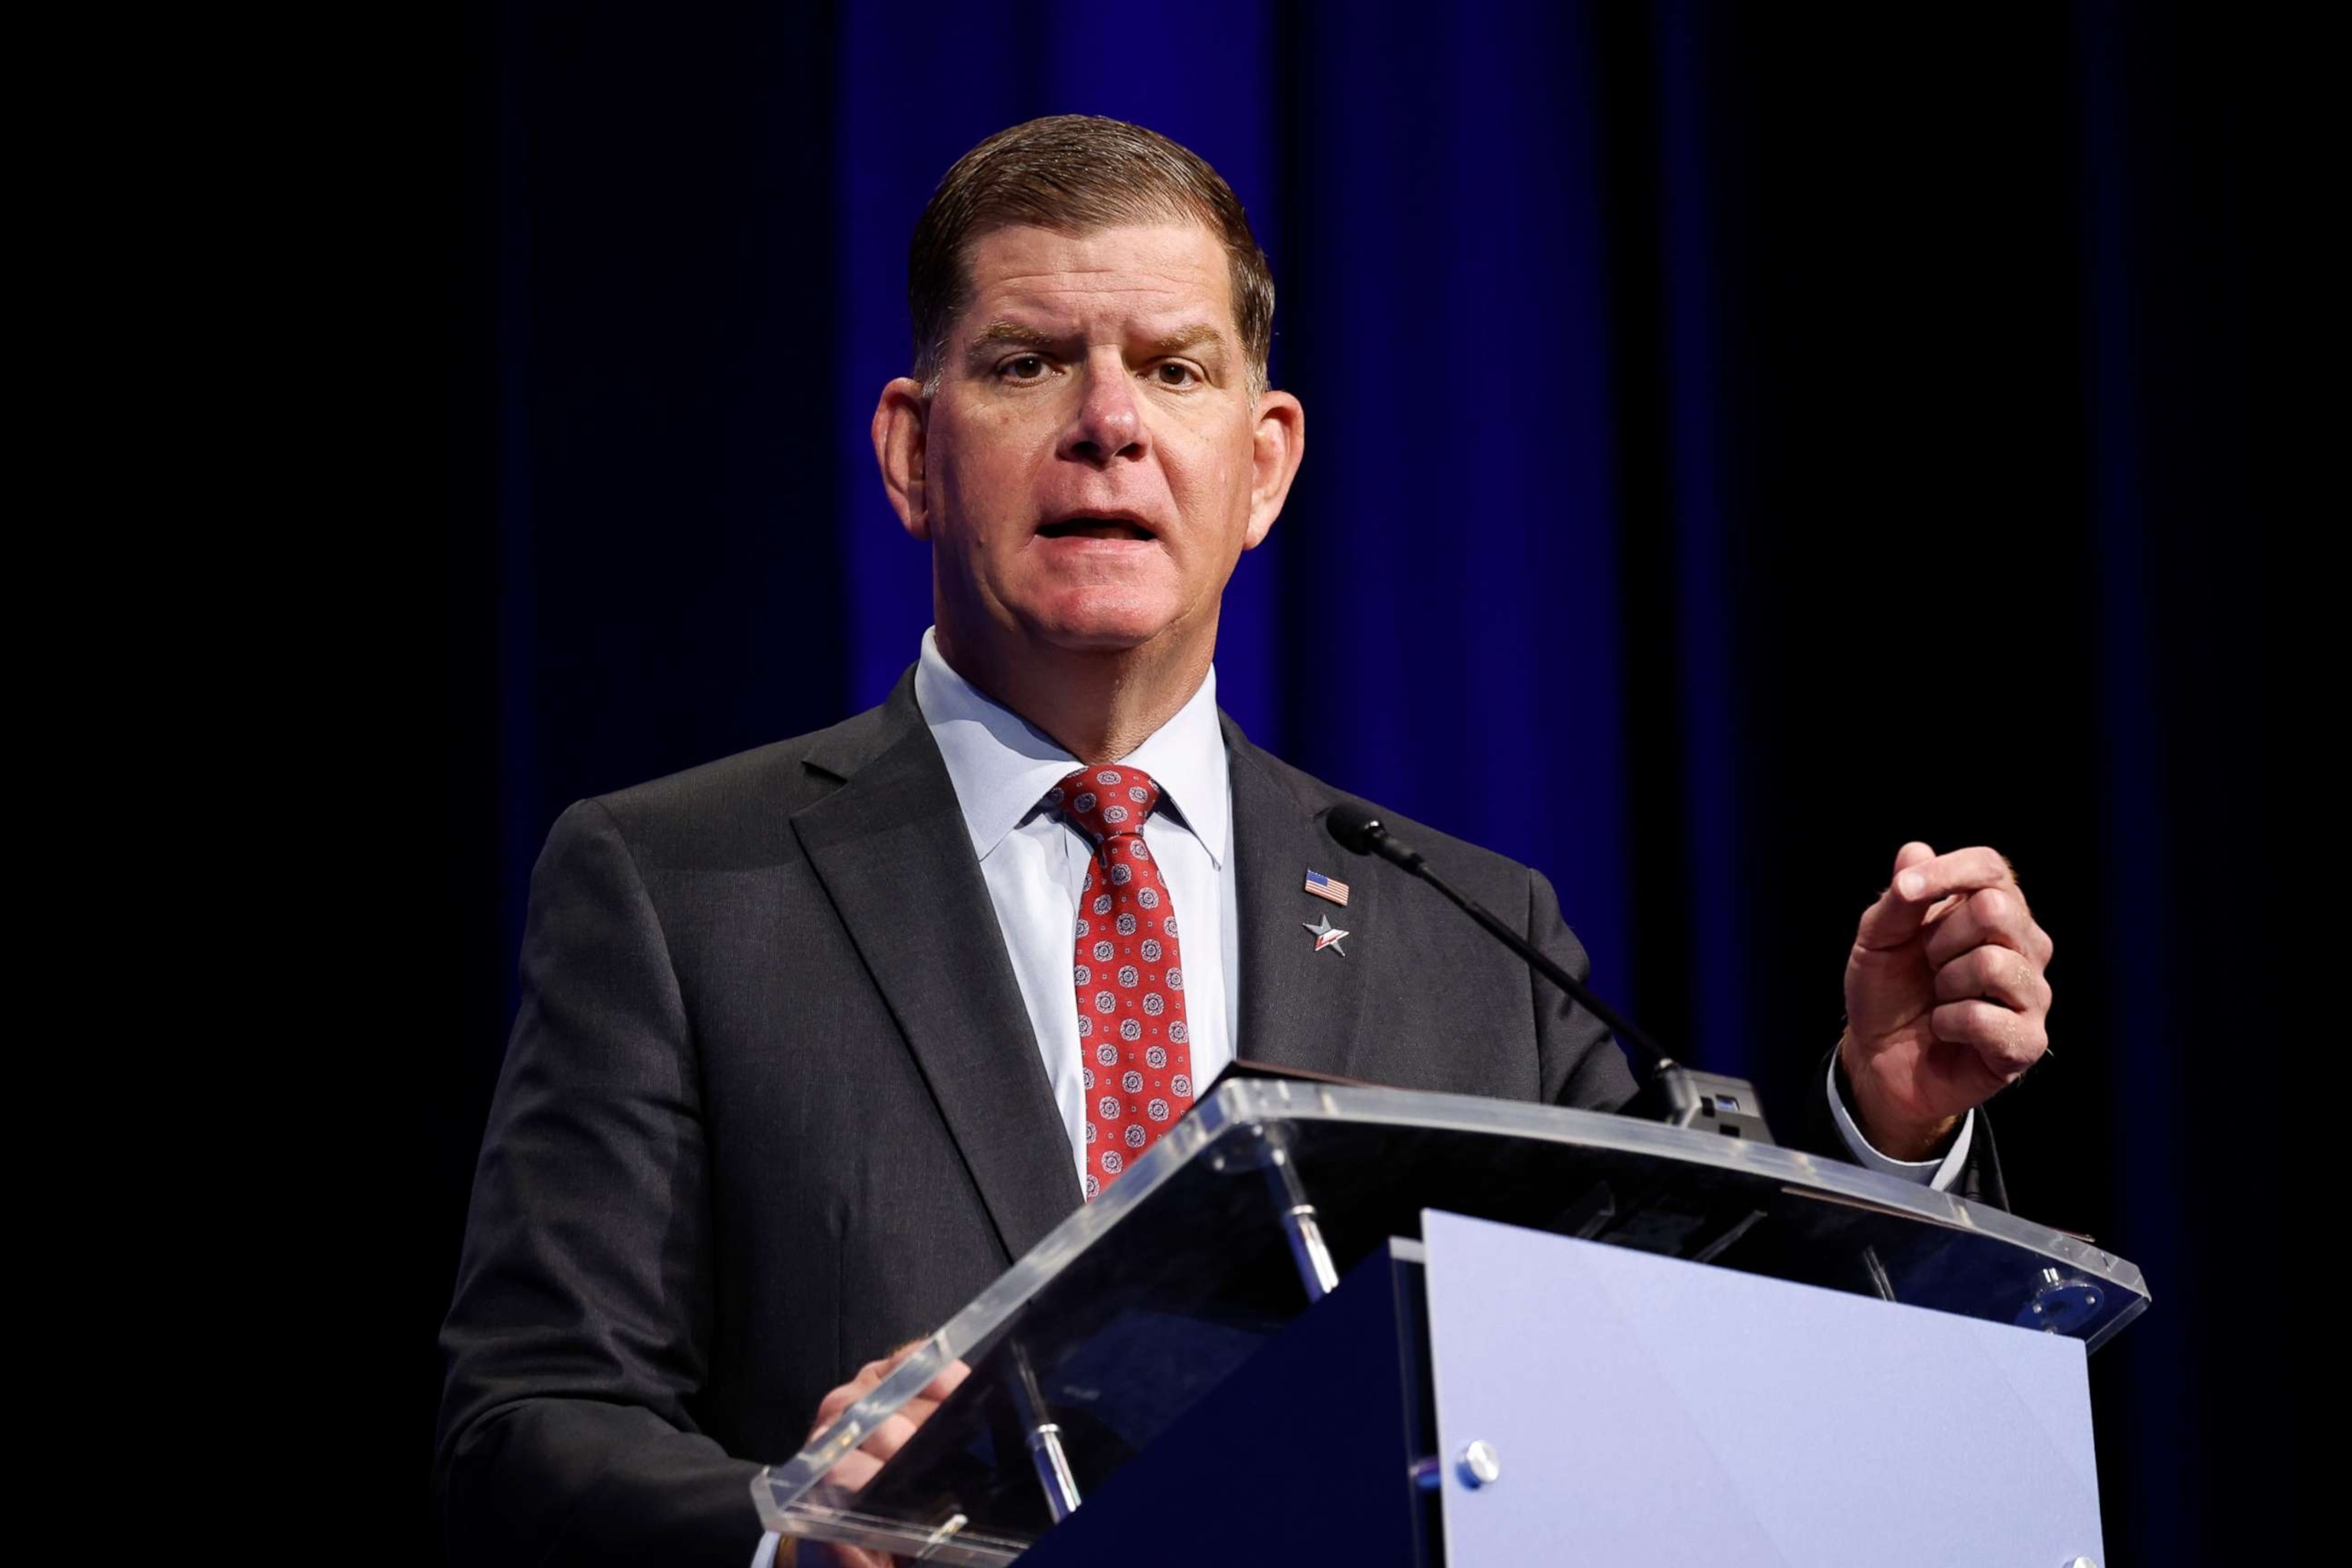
{"x": 899, "y": 420}
{"x": 1277, "y": 442}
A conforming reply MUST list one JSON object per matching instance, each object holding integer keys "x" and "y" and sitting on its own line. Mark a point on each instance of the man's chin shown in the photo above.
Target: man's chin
{"x": 1104, "y": 622}
{"x": 1096, "y": 637}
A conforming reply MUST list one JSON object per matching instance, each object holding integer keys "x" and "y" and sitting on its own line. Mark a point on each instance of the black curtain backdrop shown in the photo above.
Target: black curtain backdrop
{"x": 1741, "y": 439}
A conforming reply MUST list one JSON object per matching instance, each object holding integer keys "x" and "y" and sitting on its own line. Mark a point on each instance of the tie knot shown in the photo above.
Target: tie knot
{"x": 1106, "y": 802}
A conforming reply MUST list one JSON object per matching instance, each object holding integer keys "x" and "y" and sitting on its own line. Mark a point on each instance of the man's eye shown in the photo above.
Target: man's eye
{"x": 1023, "y": 367}
{"x": 1175, "y": 374}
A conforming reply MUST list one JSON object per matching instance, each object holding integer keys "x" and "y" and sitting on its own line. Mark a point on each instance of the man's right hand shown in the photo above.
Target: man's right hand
{"x": 860, "y": 1465}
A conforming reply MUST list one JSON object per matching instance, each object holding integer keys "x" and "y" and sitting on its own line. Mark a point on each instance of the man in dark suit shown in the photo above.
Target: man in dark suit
{"x": 802, "y": 1064}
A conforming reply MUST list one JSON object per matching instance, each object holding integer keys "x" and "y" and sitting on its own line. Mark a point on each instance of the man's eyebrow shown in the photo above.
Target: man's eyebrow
{"x": 999, "y": 333}
{"x": 1184, "y": 340}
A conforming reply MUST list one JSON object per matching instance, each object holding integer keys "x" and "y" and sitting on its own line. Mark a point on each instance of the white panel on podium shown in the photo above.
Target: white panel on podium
{"x": 1636, "y": 1408}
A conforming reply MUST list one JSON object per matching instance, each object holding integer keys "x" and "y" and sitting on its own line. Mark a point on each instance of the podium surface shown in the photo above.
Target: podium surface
{"x": 1138, "y": 1306}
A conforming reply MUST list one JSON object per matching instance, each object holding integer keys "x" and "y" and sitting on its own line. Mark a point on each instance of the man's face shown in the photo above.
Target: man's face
{"x": 1092, "y": 464}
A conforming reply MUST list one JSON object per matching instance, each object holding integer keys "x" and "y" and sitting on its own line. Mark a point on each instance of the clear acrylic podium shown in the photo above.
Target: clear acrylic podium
{"x": 1556, "y": 1327}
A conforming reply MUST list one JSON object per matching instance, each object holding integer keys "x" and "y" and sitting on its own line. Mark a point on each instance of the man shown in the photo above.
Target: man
{"x": 801, "y": 1065}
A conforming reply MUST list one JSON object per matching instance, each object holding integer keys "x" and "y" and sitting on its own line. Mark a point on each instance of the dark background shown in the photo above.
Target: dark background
{"x": 1741, "y": 439}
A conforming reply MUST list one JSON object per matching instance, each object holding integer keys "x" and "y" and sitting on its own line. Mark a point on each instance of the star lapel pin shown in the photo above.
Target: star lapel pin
{"x": 1326, "y": 935}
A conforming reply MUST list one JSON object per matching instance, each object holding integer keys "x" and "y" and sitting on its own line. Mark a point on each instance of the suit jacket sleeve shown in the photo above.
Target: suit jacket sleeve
{"x": 575, "y": 1342}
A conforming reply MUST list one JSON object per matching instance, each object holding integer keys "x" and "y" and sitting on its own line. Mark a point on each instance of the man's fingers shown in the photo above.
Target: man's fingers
{"x": 889, "y": 1435}
{"x": 1997, "y": 974}
{"x": 869, "y": 1377}
{"x": 1996, "y": 916}
{"x": 1922, "y": 880}
{"x": 918, "y": 1409}
{"x": 856, "y": 1467}
{"x": 893, "y": 1431}
{"x": 1913, "y": 853}
{"x": 1893, "y": 920}
{"x": 830, "y": 1407}
{"x": 949, "y": 1379}
{"x": 2005, "y": 1041}
{"x": 1961, "y": 871}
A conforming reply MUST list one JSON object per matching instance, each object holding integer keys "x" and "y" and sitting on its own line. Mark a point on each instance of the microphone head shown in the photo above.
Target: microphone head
{"x": 1355, "y": 827}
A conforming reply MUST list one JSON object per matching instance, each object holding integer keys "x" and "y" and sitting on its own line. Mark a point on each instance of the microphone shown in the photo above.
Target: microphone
{"x": 1670, "y": 1092}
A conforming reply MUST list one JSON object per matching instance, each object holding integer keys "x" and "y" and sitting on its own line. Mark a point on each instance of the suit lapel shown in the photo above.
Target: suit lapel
{"x": 1299, "y": 1007}
{"x": 893, "y": 853}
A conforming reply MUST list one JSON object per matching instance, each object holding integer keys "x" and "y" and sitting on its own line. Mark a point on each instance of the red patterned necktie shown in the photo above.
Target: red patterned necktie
{"x": 1137, "y": 1048}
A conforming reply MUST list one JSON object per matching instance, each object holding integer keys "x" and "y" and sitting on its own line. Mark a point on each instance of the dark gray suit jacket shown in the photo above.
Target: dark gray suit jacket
{"x": 773, "y": 1106}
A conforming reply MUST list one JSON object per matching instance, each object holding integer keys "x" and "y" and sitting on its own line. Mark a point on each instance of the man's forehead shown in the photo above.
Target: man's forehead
{"x": 1157, "y": 278}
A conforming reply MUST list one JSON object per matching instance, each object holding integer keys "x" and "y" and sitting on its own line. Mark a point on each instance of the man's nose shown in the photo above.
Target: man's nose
{"x": 1107, "y": 424}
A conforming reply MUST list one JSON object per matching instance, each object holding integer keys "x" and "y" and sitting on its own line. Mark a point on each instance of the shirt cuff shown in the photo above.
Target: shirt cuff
{"x": 766, "y": 1556}
{"x": 1938, "y": 1173}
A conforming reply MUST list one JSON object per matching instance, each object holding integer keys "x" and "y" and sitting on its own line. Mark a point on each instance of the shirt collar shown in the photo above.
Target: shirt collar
{"x": 1001, "y": 765}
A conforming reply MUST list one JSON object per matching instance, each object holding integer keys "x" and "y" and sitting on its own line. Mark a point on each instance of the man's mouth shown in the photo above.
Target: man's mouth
{"x": 1095, "y": 528}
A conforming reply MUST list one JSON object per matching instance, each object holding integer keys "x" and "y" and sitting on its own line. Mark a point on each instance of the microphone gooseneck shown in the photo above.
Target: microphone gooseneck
{"x": 1360, "y": 832}
{"x": 1670, "y": 1092}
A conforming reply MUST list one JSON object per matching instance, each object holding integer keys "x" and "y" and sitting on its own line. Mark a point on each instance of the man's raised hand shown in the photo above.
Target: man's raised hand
{"x": 1945, "y": 999}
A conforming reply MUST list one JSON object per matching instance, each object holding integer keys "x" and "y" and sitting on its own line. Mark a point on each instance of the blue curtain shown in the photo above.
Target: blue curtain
{"x": 1740, "y": 441}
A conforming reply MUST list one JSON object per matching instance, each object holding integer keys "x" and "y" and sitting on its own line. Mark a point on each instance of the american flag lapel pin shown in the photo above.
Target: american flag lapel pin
{"x": 1324, "y": 887}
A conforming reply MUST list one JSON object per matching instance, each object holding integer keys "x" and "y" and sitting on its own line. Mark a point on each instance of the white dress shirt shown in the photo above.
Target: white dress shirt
{"x": 1034, "y": 863}
{"x": 1938, "y": 1173}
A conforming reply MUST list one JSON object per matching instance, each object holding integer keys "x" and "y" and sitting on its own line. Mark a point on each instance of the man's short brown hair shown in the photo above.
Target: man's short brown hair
{"x": 1074, "y": 174}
